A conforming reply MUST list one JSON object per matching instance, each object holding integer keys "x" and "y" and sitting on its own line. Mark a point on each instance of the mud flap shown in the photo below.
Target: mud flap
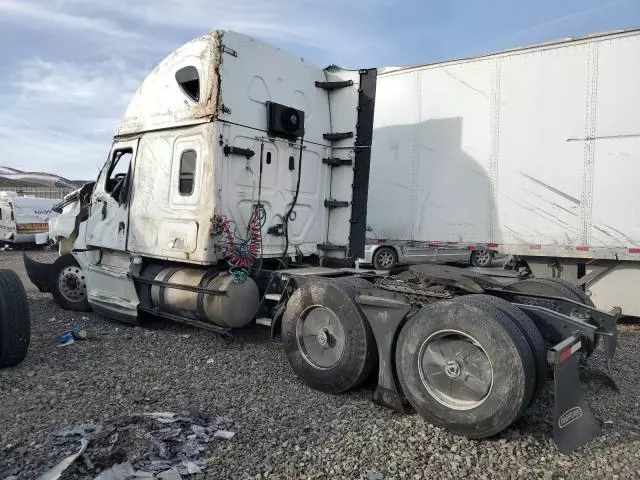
{"x": 573, "y": 421}
{"x": 385, "y": 312}
{"x": 39, "y": 273}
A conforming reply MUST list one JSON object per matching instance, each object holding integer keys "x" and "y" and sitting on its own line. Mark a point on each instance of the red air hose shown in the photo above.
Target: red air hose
{"x": 245, "y": 256}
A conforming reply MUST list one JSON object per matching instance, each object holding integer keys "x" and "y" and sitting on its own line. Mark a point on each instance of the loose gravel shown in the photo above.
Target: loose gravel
{"x": 282, "y": 428}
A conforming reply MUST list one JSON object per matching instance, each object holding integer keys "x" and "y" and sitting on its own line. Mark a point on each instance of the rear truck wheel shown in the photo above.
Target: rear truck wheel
{"x": 326, "y": 337}
{"x": 465, "y": 366}
{"x": 69, "y": 284}
{"x": 553, "y": 287}
{"x": 531, "y": 333}
{"x": 385, "y": 258}
{"x": 481, "y": 258}
{"x": 15, "y": 323}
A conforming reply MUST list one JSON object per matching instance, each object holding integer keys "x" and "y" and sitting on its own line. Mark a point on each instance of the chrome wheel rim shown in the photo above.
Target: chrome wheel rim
{"x": 455, "y": 369}
{"x": 72, "y": 284}
{"x": 385, "y": 259}
{"x": 483, "y": 257}
{"x": 320, "y": 337}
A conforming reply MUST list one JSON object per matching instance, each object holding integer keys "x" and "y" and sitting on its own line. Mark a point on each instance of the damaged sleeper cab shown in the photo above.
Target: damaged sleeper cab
{"x": 235, "y": 188}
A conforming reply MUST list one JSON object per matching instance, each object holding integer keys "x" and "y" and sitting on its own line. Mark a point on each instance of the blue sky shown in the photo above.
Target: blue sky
{"x": 69, "y": 67}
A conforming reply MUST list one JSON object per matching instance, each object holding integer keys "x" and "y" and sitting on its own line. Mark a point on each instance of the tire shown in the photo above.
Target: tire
{"x": 443, "y": 334}
{"x": 481, "y": 258}
{"x": 553, "y": 287}
{"x": 68, "y": 284}
{"x": 15, "y": 322}
{"x": 321, "y": 317}
{"x": 529, "y": 330}
{"x": 385, "y": 258}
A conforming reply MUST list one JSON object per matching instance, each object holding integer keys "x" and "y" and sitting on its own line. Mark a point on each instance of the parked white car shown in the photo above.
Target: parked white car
{"x": 386, "y": 255}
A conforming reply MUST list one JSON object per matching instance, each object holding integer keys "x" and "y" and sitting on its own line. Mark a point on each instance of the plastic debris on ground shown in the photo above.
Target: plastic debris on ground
{"x": 56, "y": 471}
{"x": 157, "y": 445}
{"x": 66, "y": 339}
{"x": 70, "y": 337}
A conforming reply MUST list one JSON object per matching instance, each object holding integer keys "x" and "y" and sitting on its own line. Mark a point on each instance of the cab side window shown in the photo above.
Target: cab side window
{"x": 187, "y": 172}
{"x": 119, "y": 168}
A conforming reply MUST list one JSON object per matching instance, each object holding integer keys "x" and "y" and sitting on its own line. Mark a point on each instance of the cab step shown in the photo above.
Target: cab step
{"x": 264, "y": 321}
{"x": 273, "y": 297}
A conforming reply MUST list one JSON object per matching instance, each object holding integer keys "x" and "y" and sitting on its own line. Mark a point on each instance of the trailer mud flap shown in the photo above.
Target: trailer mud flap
{"x": 573, "y": 421}
{"x": 38, "y": 272}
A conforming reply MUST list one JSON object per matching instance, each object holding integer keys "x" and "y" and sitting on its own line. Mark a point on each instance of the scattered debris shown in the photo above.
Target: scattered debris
{"x": 70, "y": 337}
{"x": 171, "y": 474}
{"x": 156, "y": 445}
{"x": 192, "y": 468}
{"x": 80, "y": 334}
{"x": 211, "y": 360}
{"x": 66, "y": 339}
{"x": 224, "y": 434}
{"x": 122, "y": 471}
{"x": 56, "y": 471}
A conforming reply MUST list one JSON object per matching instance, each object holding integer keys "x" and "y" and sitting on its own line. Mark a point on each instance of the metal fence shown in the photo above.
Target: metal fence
{"x": 41, "y": 192}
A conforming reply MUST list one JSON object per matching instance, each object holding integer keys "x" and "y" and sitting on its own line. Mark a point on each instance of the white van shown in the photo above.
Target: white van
{"x": 24, "y": 220}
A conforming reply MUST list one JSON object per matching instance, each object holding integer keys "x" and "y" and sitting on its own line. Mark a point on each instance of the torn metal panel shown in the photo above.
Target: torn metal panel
{"x": 145, "y": 113}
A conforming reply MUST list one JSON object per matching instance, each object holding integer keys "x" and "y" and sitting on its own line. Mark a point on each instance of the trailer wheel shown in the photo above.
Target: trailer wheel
{"x": 385, "y": 258}
{"x": 326, "y": 338}
{"x": 531, "y": 333}
{"x": 465, "y": 366}
{"x": 69, "y": 285}
{"x": 554, "y": 287}
{"x": 481, "y": 258}
{"x": 15, "y": 324}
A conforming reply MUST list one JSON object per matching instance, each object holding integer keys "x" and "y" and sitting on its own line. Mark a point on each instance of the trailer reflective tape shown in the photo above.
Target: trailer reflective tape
{"x": 570, "y": 350}
{"x": 492, "y": 245}
{"x": 472, "y": 247}
{"x": 535, "y": 247}
{"x": 634, "y": 250}
{"x": 433, "y": 245}
{"x": 582, "y": 248}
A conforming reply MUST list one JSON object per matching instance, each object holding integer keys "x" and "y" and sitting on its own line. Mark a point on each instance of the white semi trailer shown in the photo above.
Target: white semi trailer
{"x": 533, "y": 152}
{"x": 237, "y": 187}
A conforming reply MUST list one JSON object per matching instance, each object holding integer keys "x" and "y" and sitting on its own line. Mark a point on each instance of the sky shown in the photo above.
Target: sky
{"x": 69, "y": 67}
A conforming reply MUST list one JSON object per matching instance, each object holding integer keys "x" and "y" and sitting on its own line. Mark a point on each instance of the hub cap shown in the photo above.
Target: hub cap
{"x": 320, "y": 337}
{"x": 385, "y": 259}
{"x": 483, "y": 257}
{"x": 455, "y": 370}
{"x": 72, "y": 284}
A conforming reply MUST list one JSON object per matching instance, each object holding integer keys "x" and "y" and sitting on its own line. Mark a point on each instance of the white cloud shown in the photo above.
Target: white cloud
{"x": 60, "y": 116}
{"x": 306, "y": 23}
{"x": 45, "y": 15}
{"x": 59, "y": 113}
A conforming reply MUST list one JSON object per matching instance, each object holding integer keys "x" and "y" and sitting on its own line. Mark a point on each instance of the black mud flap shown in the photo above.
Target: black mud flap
{"x": 573, "y": 421}
{"x": 38, "y": 272}
{"x": 385, "y": 312}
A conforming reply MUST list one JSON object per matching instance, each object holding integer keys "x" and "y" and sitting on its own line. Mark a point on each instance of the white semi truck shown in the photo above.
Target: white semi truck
{"x": 237, "y": 189}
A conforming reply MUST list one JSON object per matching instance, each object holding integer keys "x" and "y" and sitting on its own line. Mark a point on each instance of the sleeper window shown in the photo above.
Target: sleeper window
{"x": 189, "y": 81}
{"x": 187, "y": 172}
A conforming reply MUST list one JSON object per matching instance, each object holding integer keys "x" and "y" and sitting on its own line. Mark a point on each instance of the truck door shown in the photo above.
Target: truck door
{"x": 108, "y": 222}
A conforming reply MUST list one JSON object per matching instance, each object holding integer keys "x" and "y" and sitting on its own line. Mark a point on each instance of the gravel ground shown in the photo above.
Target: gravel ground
{"x": 282, "y": 428}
